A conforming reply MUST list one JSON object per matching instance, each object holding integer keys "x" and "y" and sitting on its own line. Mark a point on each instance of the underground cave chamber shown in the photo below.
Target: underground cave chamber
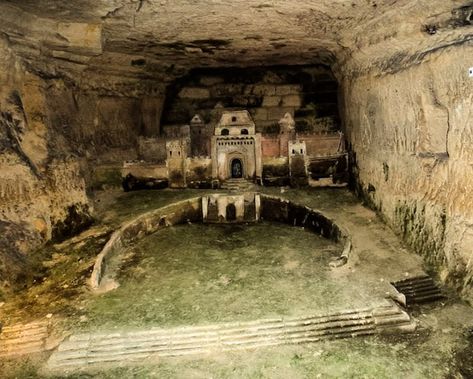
{"x": 124, "y": 125}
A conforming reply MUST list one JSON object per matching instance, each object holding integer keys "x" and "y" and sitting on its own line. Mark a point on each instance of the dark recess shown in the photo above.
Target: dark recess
{"x": 319, "y": 91}
{"x": 78, "y": 219}
{"x": 138, "y": 62}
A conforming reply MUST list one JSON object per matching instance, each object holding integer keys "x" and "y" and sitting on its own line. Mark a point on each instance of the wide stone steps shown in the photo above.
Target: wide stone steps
{"x": 240, "y": 185}
{"x": 418, "y": 290}
{"x": 23, "y": 339}
{"x": 87, "y": 349}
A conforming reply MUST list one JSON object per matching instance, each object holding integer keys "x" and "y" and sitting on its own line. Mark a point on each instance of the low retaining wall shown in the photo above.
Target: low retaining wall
{"x": 272, "y": 209}
{"x": 281, "y": 210}
{"x": 150, "y": 222}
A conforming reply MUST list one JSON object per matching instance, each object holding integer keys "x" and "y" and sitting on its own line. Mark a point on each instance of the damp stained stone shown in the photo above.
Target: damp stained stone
{"x": 88, "y": 85}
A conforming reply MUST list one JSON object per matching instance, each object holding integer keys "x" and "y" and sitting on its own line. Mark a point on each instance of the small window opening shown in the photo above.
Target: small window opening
{"x": 234, "y": 118}
{"x": 225, "y": 132}
{"x": 244, "y": 131}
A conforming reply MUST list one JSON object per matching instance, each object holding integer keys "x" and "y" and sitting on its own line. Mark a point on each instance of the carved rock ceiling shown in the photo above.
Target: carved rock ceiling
{"x": 159, "y": 40}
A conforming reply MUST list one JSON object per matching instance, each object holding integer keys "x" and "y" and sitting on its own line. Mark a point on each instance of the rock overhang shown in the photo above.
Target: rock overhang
{"x": 158, "y": 41}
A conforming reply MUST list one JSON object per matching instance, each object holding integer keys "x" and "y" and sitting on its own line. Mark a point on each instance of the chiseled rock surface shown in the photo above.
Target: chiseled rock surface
{"x": 42, "y": 192}
{"x": 412, "y": 133}
{"x": 82, "y": 69}
{"x": 160, "y": 40}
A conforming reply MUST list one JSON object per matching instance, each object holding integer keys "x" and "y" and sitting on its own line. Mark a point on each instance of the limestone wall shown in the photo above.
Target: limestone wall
{"x": 42, "y": 191}
{"x": 103, "y": 127}
{"x": 412, "y": 135}
{"x": 307, "y": 93}
{"x": 37, "y": 181}
{"x": 152, "y": 149}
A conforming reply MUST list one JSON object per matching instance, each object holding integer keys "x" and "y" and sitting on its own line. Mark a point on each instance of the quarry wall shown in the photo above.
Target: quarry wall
{"x": 42, "y": 190}
{"x": 308, "y": 93}
{"x": 411, "y": 135}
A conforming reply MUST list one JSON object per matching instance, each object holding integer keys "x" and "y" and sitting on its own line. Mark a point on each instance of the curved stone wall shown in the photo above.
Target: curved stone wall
{"x": 150, "y": 222}
{"x": 277, "y": 209}
{"x": 281, "y": 210}
{"x": 272, "y": 209}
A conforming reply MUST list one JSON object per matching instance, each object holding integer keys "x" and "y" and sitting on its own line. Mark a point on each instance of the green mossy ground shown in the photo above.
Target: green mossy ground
{"x": 441, "y": 347}
{"x": 412, "y": 357}
{"x": 195, "y": 274}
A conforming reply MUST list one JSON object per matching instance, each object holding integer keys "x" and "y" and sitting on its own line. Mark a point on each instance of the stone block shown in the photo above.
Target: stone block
{"x": 260, "y": 114}
{"x": 264, "y": 90}
{"x": 240, "y": 101}
{"x": 211, "y": 80}
{"x": 248, "y": 89}
{"x": 267, "y": 127}
{"x": 288, "y": 89}
{"x": 194, "y": 93}
{"x": 277, "y": 113}
{"x": 228, "y": 89}
{"x": 292, "y": 101}
{"x": 152, "y": 149}
{"x": 255, "y": 101}
{"x": 271, "y": 101}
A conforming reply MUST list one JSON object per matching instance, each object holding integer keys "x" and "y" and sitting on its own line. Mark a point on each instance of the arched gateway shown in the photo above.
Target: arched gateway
{"x": 237, "y": 168}
{"x": 236, "y": 148}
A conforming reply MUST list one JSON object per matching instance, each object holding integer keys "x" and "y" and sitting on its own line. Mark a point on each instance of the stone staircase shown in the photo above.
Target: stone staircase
{"x": 135, "y": 346}
{"x": 419, "y": 290}
{"x": 22, "y": 339}
{"x": 238, "y": 185}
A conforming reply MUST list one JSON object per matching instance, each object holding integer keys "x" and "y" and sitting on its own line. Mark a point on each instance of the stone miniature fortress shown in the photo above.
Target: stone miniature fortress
{"x": 209, "y": 155}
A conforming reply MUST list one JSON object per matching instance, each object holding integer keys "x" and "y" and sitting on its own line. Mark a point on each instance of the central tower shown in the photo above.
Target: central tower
{"x": 236, "y": 148}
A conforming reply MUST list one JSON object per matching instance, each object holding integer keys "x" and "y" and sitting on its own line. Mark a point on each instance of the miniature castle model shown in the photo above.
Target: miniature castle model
{"x": 203, "y": 155}
{"x": 236, "y": 148}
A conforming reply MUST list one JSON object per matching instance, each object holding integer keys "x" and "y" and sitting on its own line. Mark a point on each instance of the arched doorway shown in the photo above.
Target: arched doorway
{"x": 231, "y": 212}
{"x": 237, "y": 168}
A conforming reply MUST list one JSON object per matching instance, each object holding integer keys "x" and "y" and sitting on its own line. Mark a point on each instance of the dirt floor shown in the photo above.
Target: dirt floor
{"x": 196, "y": 274}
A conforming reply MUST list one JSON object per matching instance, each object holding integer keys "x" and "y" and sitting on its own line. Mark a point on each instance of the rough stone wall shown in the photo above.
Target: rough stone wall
{"x": 152, "y": 149}
{"x": 411, "y": 134}
{"x": 104, "y": 128}
{"x": 309, "y": 94}
{"x": 42, "y": 193}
